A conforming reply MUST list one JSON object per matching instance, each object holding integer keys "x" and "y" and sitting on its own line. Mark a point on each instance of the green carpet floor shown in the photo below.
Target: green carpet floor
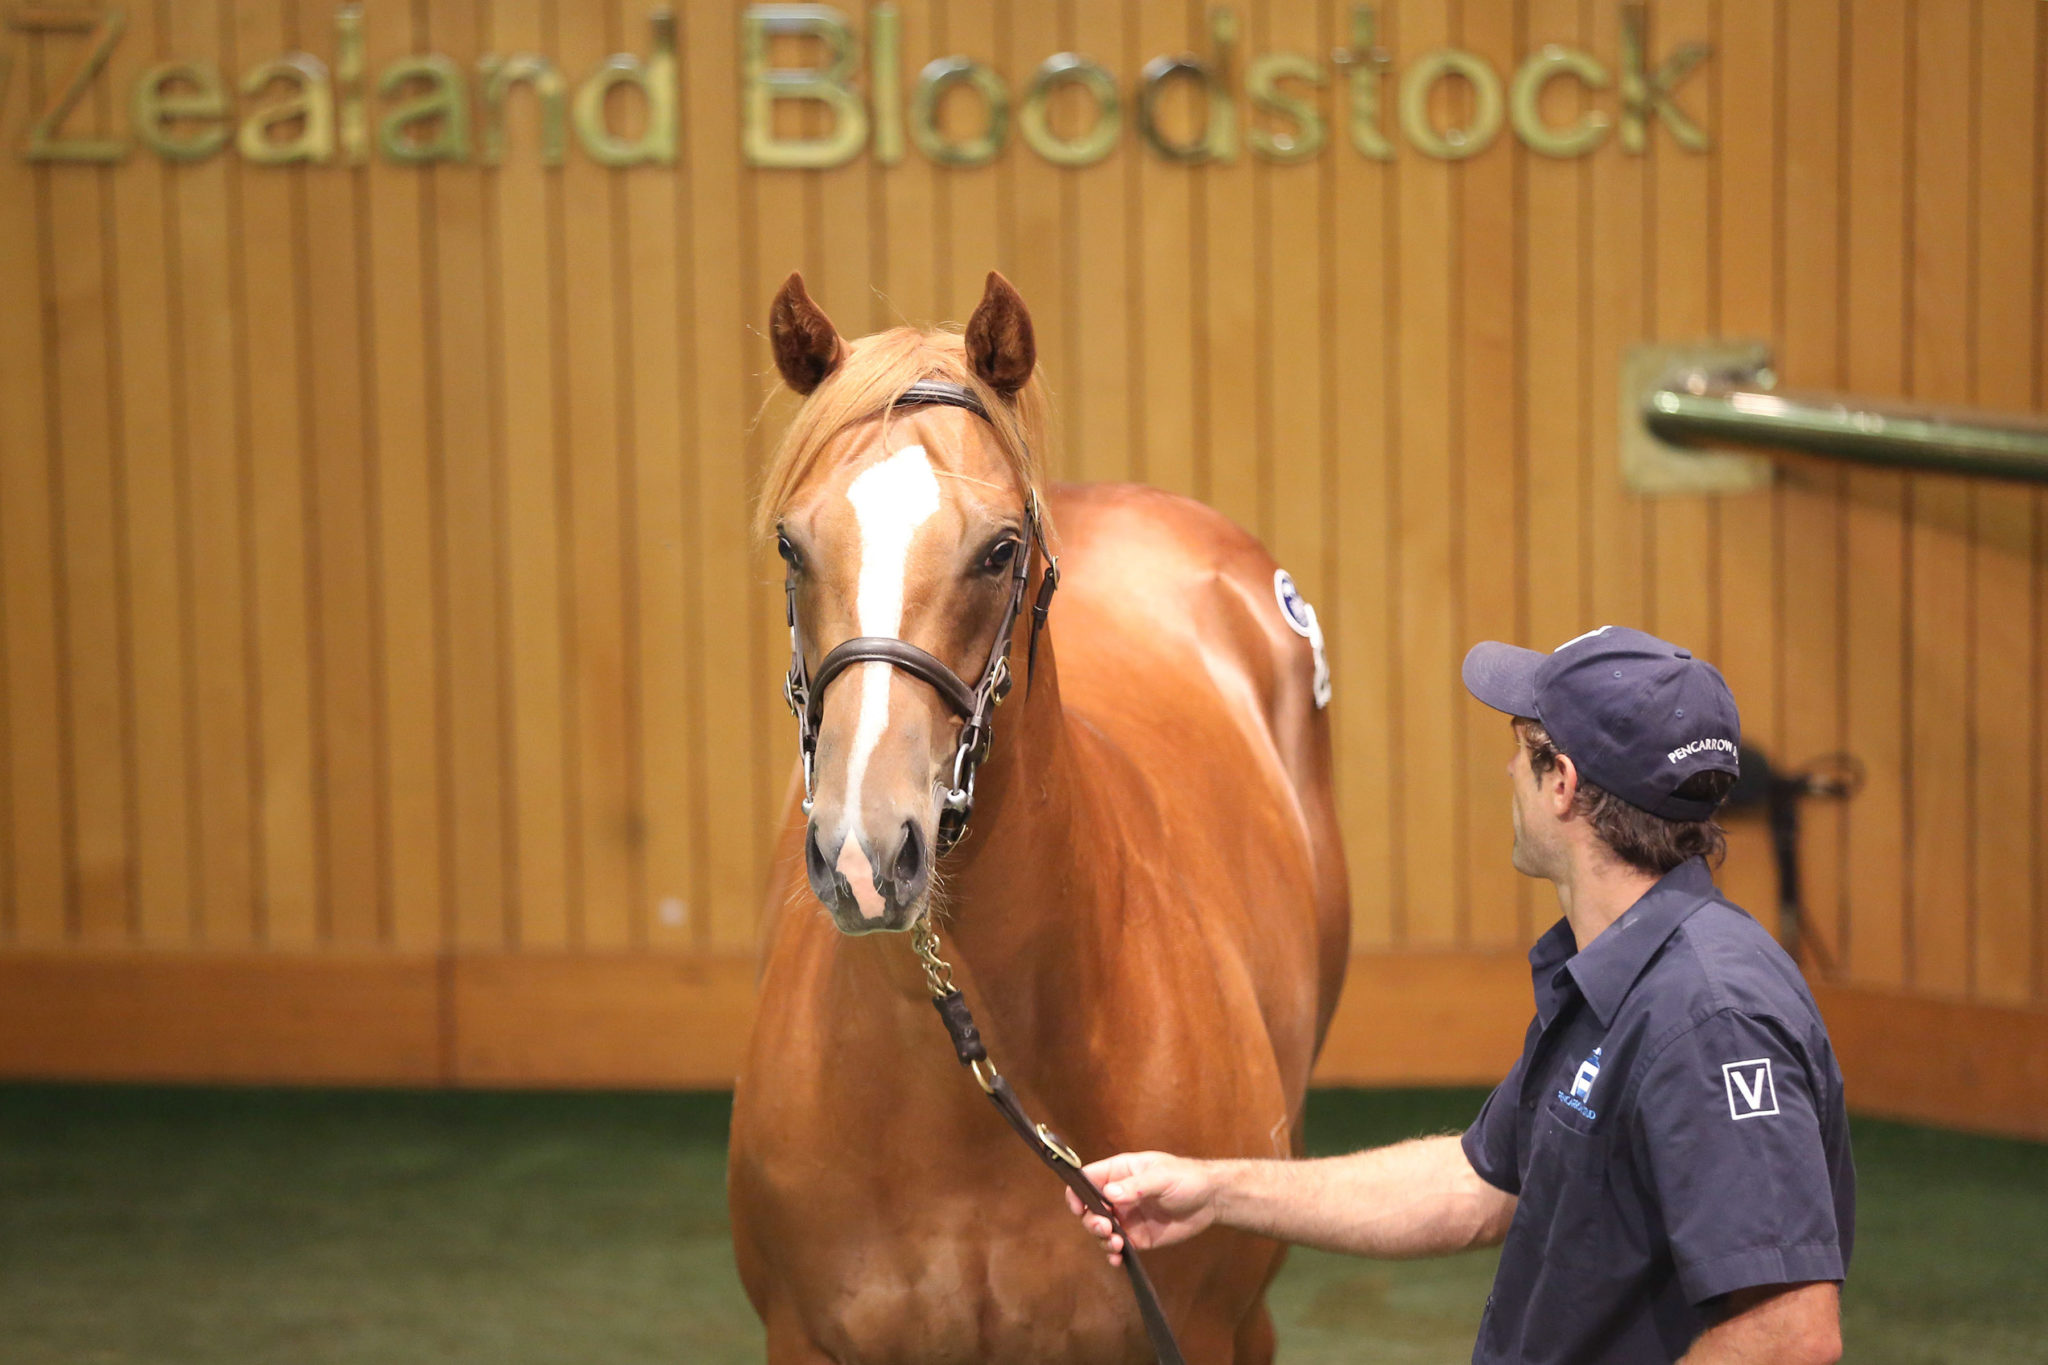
{"x": 223, "y": 1227}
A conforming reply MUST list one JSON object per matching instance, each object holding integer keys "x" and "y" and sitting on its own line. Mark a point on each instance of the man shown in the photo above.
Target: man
{"x": 1668, "y": 1163}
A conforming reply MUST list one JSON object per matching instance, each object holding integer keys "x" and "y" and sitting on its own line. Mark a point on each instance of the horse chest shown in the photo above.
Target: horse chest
{"x": 964, "y": 1298}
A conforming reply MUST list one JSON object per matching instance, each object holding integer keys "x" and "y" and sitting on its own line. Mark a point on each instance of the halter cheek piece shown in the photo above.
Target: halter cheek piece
{"x": 974, "y": 704}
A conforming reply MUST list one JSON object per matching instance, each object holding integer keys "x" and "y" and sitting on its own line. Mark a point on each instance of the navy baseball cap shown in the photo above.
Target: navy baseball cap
{"x": 1637, "y": 715}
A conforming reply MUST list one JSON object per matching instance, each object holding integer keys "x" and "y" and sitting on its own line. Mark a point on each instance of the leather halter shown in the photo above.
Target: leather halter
{"x": 973, "y": 703}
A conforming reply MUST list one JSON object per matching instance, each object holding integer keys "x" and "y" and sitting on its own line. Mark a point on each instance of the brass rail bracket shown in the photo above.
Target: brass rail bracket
{"x": 1655, "y": 467}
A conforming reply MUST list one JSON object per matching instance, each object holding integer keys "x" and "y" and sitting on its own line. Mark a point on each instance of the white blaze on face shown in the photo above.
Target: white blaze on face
{"x": 891, "y": 500}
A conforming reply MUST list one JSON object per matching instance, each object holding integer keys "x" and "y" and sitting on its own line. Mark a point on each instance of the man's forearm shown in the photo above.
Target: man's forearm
{"x": 1419, "y": 1198}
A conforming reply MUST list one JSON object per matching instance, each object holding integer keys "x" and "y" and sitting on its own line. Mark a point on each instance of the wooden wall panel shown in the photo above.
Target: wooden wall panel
{"x": 374, "y": 571}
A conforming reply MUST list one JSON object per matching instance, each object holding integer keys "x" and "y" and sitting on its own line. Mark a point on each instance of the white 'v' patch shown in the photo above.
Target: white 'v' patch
{"x": 891, "y": 499}
{"x": 1752, "y": 1093}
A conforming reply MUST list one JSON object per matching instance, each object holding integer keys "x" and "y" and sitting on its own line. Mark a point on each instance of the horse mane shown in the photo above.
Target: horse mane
{"x": 875, "y": 374}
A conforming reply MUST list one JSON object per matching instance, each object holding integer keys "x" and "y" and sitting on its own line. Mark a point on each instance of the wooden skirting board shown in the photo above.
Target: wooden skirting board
{"x": 647, "y": 1020}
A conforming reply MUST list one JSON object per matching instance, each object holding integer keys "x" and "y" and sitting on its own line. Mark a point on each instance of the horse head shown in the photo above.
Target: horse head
{"x": 901, "y": 501}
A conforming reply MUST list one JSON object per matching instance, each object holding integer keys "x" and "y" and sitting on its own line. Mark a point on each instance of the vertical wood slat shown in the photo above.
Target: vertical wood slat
{"x": 1875, "y": 565}
{"x": 1038, "y": 217}
{"x": 1745, "y": 588}
{"x": 407, "y": 570}
{"x": 1554, "y": 363}
{"x": 475, "y": 675}
{"x": 1680, "y": 552}
{"x": 527, "y": 296}
{"x": 2040, "y": 400}
{"x": 205, "y": 300}
{"x": 1492, "y": 455}
{"x": 1163, "y": 432}
{"x": 1239, "y": 328}
{"x": 1618, "y": 308}
{"x": 971, "y": 198}
{"x": 1360, "y": 442}
{"x": 1810, "y": 493}
{"x": 592, "y": 451}
{"x": 781, "y": 236}
{"x": 346, "y": 798}
{"x": 94, "y": 715}
{"x": 733, "y": 843}
{"x": 1099, "y": 407}
{"x": 154, "y": 527}
{"x": 665, "y": 684}
{"x": 1429, "y": 637}
{"x": 1289, "y": 451}
{"x": 271, "y": 397}
{"x": 1940, "y": 359}
{"x": 2004, "y": 706}
{"x": 36, "y": 892}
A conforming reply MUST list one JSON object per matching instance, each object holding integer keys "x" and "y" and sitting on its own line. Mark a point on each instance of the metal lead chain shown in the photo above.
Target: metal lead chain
{"x": 938, "y": 973}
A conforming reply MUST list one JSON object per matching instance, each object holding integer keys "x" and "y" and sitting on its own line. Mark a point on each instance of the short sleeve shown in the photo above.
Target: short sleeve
{"x": 1728, "y": 1128}
{"x": 1493, "y": 1142}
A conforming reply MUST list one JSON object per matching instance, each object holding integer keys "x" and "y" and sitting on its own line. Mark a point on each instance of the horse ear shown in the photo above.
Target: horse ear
{"x": 1000, "y": 346}
{"x": 807, "y": 347}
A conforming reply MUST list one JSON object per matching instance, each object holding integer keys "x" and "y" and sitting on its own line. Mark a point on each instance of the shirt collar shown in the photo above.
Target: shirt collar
{"x": 1609, "y": 966}
{"x": 1546, "y": 970}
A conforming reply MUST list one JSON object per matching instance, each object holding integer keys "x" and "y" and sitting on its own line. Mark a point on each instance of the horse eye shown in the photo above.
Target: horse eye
{"x": 787, "y": 551}
{"x": 999, "y": 558}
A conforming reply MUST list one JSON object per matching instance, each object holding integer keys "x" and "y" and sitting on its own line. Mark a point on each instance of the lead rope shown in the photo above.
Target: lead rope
{"x": 967, "y": 1046}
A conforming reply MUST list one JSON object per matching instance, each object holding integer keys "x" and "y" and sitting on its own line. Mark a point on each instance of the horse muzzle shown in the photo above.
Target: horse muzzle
{"x": 869, "y": 888}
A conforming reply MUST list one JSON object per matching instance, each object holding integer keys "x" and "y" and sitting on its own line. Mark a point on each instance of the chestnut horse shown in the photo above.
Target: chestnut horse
{"x": 1150, "y": 915}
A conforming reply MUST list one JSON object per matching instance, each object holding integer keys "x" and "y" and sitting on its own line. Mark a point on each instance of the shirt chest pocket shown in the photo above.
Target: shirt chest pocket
{"x": 1571, "y": 1174}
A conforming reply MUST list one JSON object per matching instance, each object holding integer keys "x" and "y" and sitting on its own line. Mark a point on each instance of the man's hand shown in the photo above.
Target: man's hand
{"x": 1160, "y": 1199}
{"x": 1419, "y": 1198}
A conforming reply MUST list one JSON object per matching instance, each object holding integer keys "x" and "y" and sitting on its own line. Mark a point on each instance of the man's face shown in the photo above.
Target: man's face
{"x": 1539, "y": 843}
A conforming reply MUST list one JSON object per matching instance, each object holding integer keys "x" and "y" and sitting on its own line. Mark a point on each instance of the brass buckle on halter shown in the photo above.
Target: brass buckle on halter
{"x": 1058, "y": 1148}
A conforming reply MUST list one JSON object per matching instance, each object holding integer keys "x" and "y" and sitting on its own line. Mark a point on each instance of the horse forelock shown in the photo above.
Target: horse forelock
{"x": 876, "y": 373}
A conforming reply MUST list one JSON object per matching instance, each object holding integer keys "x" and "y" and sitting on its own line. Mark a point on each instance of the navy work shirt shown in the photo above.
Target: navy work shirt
{"x": 1674, "y": 1131}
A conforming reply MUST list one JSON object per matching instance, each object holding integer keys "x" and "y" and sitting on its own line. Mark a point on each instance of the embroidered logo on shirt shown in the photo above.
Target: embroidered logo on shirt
{"x": 1751, "y": 1092}
{"x": 1582, "y": 1087}
{"x": 1589, "y": 1071}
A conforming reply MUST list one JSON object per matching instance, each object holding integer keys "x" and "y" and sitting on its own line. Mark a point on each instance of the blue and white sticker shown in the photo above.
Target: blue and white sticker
{"x": 1301, "y": 619}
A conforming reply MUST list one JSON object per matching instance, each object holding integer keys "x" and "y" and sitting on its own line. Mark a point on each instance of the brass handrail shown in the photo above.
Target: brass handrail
{"x": 1706, "y": 408}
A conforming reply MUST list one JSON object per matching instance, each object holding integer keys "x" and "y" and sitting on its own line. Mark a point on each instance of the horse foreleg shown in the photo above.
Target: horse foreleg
{"x": 790, "y": 1344}
{"x": 1255, "y": 1338}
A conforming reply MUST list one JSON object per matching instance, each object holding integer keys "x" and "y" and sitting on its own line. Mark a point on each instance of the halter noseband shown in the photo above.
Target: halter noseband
{"x": 974, "y": 704}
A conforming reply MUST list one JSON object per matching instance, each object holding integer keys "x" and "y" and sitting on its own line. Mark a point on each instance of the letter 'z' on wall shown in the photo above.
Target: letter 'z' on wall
{"x": 315, "y": 108}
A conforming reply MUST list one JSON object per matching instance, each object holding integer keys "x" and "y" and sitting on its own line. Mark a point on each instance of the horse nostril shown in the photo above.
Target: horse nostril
{"x": 815, "y": 862}
{"x": 909, "y": 856}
